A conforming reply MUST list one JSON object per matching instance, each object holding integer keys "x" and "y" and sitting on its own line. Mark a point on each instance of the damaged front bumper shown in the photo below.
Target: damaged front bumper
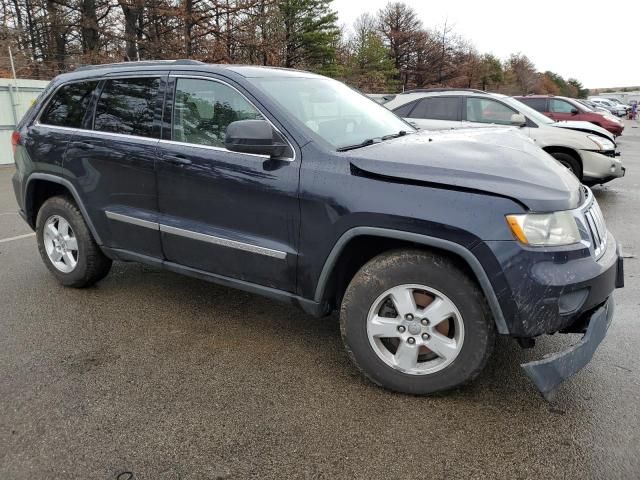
{"x": 548, "y": 373}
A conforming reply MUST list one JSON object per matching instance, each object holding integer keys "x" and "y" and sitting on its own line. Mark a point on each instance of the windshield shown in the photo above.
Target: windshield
{"x": 332, "y": 111}
{"x": 528, "y": 112}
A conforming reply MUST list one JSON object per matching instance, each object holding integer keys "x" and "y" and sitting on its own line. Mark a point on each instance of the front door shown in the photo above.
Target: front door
{"x": 231, "y": 214}
{"x": 561, "y": 109}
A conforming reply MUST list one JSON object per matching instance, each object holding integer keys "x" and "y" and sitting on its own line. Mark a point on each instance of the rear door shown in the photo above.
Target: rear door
{"x": 112, "y": 159}
{"x": 227, "y": 213}
{"x": 437, "y": 113}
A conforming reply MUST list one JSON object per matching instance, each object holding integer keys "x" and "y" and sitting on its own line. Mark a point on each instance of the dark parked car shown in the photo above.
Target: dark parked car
{"x": 293, "y": 186}
{"x": 563, "y": 108}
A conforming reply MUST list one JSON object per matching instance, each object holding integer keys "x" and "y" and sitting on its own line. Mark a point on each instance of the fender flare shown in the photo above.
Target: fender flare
{"x": 429, "y": 241}
{"x": 74, "y": 193}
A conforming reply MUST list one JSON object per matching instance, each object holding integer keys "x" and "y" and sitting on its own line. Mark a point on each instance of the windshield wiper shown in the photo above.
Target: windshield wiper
{"x": 371, "y": 141}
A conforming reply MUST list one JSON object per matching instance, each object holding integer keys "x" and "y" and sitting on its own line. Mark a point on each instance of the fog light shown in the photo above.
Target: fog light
{"x": 572, "y": 301}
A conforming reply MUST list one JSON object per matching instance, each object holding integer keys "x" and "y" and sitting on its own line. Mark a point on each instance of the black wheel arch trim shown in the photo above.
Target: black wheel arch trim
{"x": 463, "y": 252}
{"x": 69, "y": 186}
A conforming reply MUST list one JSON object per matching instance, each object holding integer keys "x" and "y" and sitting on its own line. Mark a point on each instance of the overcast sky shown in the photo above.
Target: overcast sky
{"x": 582, "y": 39}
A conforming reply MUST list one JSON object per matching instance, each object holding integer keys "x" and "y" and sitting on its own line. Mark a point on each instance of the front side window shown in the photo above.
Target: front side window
{"x": 68, "y": 105}
{"x": 560, "y": 106}
{"x": 483, "y": 110}
{"x": 437, "y": 108}
{"x": 203, "y": 109}
{"x": 127, "y": 106}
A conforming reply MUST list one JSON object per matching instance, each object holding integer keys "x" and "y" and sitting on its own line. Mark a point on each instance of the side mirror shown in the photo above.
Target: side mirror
{"x": 574, "y": 111}
{"x": 254, "y": 136}
{"x": 518, "y": 119}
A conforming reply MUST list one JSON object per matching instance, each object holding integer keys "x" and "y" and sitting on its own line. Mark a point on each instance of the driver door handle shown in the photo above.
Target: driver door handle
{"x": 177, "y": 159}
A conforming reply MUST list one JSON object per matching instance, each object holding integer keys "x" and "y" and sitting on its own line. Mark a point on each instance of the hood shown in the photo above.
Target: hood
{"x": 498, "y": 161}
{"x": 586, "y": 127}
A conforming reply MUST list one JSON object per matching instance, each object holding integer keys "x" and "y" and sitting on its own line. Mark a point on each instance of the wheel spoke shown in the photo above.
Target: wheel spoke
{"x": 51, "y": 230}
{"x": 72, "y": 243}
{"x": 68, "y": 259}
{"x": 55, "y": 255}
{"x": 438, "y": 311}
{"x": 403, "y": 300}
{"x": 63, "y": 227}
{"x": 442, "y": 346}
{"x": 384, "y": 327}
{"x": 406, "y": 357}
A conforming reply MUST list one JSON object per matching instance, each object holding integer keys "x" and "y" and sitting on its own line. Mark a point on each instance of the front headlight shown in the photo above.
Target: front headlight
{"x": 603, "y": 143}
{"x": 544, "y": 229}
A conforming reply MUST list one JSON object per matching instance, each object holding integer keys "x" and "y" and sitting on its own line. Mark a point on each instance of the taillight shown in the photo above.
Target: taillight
{"x": 15, "y": 138}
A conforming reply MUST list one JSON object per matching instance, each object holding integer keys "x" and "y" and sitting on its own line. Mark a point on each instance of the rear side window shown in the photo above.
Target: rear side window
{"x": 68, "y": 105}
{"x": 437, "y": 108}
{"x": 403, "y": 111}
{"x": 539, "y": 104}
{"x": 127, "y": 106}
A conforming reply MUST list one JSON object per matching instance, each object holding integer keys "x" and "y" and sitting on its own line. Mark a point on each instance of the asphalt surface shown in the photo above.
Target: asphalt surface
{"x": 150, "y": 375}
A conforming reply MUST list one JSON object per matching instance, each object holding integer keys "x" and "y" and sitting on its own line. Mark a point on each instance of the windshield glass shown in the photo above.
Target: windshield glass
{"x": 332, "y": 111}
{"x": 529, "y": 112}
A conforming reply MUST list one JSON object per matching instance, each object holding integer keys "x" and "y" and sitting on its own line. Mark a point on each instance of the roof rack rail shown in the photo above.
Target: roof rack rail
{"x": 142, "y": 63}
{"x": 449, "y": 89}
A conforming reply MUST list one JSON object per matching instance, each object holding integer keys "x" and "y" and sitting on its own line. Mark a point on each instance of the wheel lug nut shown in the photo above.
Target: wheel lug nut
{"x": 425, "y": 322}
{"x": 408, "y": 316}
{"x": 401, "y": 328}
{"x": 411, "y": 340}
{"x": 425, "y": 336}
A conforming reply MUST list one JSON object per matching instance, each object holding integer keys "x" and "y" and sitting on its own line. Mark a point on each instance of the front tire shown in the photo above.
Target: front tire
{"x": 413, "y": 322}
{"x": 66, "y": 245}
{"x": 569, "y": 162}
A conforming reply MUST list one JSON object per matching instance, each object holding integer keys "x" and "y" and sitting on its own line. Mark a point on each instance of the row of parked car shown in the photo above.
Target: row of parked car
{"x": 608, "y": 104}
{"x": 581, "y": 139}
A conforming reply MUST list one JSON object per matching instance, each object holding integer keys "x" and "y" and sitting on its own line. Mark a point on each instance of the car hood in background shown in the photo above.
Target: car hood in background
{"x": 586, "y": 127}
{"x": 498, "y": 161}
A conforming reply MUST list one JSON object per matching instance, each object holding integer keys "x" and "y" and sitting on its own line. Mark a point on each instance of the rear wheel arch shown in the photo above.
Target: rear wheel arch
{"x": 339, "y": 267}
{"x": 42, "y": 186}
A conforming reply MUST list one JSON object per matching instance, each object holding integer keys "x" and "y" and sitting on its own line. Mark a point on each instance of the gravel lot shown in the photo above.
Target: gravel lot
{"x": 168, "y": 377}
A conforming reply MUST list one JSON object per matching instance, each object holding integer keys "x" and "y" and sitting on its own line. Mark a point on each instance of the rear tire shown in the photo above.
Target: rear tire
{"x": 66, "y": 245}
{"x": 451, "y": 341}
{"x": 570, "y": 162}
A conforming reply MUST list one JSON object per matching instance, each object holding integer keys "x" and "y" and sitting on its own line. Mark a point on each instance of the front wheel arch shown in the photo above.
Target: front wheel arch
{"x": 469, "y": 260}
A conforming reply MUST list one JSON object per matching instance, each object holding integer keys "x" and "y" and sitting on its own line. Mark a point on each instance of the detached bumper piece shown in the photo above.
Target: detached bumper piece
{"x": 548, "y": 373}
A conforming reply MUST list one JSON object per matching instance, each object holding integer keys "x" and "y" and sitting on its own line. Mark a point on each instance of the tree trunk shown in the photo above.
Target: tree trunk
{"x": 89, "y": 28}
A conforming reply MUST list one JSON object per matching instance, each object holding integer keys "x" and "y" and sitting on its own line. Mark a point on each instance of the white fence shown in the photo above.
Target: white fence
{"x": 15, "y": 99}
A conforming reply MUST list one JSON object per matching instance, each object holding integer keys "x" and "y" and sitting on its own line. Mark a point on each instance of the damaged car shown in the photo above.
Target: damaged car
{"x": 296, "y": 187}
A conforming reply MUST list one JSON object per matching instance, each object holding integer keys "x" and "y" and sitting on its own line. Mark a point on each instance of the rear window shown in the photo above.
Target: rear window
{"x": 539, "y": 104}
{"x": 437, "y": 108}
{"x": 68, "y": 105}
{"x": 127, "y": 106}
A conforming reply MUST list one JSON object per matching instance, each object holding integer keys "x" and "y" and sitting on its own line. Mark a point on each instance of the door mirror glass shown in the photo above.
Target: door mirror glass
{"x": 518, "y": 119}
{"x": 254, "y": 136}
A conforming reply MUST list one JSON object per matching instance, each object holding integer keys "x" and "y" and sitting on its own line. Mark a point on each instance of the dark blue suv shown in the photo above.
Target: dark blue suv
{"x": 294, "y": 186}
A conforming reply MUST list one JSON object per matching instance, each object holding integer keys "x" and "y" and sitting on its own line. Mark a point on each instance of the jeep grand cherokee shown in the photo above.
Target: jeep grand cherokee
{"x": 294, "y": 186}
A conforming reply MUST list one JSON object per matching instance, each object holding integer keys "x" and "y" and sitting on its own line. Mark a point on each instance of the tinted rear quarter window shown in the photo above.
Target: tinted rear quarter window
{"x": 127, "y": 106}
{"x": 404, "y": 110}
{"x": 437, "y": 108}
{"x": 68, "y": 105}
{"x": 539, "y": 104}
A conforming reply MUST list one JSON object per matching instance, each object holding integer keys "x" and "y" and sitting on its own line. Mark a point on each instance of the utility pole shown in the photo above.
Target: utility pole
{"x": 14, "y": 100}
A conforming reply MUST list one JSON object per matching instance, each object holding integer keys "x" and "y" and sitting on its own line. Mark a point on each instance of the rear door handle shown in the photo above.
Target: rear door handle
{"x": 177, "y": 159}
{"x": 85, "y": 145}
